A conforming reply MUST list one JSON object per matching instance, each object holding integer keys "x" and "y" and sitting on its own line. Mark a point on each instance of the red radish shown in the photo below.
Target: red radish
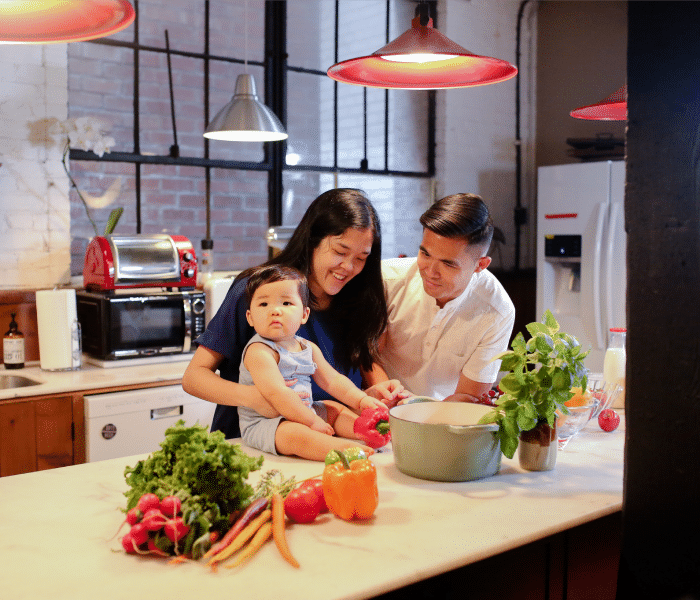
{"x": 147, "y": 502}
{"x": 170, "y": 506}
{"x": 139, "y": 534}
{"x": 128, "y": 544}
{"x": 176, "y": 529}
{"x": 154, "y": 520}
{"x": 133, "y": 516}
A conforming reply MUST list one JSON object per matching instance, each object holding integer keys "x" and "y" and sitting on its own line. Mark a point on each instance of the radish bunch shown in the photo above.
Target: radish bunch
{"x": 156, "y": 526}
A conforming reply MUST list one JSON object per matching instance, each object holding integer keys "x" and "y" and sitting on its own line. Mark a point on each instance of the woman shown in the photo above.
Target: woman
{"x": 337, "y": 245}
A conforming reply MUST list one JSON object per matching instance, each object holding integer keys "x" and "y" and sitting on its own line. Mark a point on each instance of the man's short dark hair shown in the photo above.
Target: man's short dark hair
{"x": 273, "y": 273}
{"x": 460, "y": 216}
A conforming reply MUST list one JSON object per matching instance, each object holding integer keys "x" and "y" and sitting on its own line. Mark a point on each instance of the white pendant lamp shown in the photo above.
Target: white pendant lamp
{"x": 245, "y": 118}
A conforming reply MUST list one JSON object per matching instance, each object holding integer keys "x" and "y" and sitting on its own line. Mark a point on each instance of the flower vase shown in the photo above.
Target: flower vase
{"x": 537, "y": 449}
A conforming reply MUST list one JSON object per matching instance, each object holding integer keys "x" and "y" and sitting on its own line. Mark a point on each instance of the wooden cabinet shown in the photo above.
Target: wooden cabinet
{"x": 578, "y": 564}
{"x": 45, "y": 432}
{"x": 37, "y": 434}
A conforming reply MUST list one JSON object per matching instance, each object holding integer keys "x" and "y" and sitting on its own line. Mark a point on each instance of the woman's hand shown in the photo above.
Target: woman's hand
{"x": 390, "y": 392}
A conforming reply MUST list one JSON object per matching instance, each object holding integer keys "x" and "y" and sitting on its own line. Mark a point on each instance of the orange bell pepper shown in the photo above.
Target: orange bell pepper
{"x": 350, "y": 485}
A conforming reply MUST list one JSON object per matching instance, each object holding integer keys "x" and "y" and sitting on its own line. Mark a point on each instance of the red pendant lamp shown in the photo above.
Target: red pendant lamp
{"x": 422, "y": 59}
{"x": 57, "y": 21}
{"x": 612, "y": 108}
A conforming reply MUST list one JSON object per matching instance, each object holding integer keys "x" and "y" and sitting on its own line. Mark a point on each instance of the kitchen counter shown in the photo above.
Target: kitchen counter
{"x": 57, "y": 528}
{"x": 91, "y": 377}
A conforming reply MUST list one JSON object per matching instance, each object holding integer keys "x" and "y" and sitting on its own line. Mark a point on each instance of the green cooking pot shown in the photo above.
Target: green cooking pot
{"x": 441, "y": 441}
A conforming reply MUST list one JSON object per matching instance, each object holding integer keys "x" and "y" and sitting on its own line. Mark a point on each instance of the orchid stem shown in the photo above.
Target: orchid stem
{"x": 75, "y": 185}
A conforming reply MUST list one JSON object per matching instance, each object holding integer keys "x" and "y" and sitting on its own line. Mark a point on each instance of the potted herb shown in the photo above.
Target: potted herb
{"x": 541, "y": 373}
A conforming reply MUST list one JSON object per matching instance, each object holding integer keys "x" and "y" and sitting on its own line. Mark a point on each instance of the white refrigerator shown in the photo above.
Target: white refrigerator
{"x": 581, "y": 251}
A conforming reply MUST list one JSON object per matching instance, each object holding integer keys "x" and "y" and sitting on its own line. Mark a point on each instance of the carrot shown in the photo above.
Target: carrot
{"x": 261, "y": 536}
{"x": 253, "y": 510}
{"x": 278, "y": 530}
{"x": 241, "y": 538}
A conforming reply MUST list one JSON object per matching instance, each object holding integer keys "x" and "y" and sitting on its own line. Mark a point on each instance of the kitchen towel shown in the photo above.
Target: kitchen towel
{"x": 59, "y": 331}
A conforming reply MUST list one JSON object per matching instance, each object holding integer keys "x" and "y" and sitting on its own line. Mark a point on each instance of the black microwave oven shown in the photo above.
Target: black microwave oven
{"x": 138, "y": 323}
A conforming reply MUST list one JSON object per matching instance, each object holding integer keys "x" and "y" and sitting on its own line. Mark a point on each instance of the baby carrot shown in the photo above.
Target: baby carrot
{"x": 247, "y": 517}
{"x": 256, "y": 543}
{"x": 278, "y": 530}
{"x": 242, "y": 537}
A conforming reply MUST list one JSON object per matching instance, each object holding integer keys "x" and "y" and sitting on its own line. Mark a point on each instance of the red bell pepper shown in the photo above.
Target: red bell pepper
{"x": 372, "y": 426}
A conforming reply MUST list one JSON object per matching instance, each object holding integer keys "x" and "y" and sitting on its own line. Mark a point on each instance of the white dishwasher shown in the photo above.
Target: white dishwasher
{"x": 121, "y": 424}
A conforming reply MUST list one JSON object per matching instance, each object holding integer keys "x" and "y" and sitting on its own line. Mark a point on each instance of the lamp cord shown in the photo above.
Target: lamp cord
{"x": 245, "y": 37}
{"x": 423, "y": 11}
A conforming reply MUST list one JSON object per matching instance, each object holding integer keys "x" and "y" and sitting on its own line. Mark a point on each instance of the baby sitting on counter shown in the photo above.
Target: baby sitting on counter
{"x": 278, "y": 298}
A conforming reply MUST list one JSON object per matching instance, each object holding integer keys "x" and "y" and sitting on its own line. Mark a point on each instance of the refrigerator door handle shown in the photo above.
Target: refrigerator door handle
{"x": 597, "y": 279}
{"x": 612, "y": 230}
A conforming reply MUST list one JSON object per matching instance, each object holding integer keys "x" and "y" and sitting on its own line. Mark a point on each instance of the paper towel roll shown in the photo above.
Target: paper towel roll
{"x": 57, "y": 321}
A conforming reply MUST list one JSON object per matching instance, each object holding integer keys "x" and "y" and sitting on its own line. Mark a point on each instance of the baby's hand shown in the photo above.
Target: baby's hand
{"x": 369, "y": 402}
{"x": 320, "y": 425}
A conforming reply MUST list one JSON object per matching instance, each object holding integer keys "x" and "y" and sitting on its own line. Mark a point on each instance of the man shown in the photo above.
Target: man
{"x": 448, "y": 316}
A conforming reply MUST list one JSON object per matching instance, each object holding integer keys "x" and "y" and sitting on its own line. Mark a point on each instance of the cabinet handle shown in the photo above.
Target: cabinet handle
{"x": 163, "y": 413}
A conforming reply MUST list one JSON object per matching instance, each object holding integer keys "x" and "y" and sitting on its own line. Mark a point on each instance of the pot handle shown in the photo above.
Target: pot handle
{"x": 458, "y": 429}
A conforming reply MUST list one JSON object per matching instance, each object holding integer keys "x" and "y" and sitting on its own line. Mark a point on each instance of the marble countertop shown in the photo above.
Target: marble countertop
{"x": 57, "y": 528}
{"x": 91, "y": 376}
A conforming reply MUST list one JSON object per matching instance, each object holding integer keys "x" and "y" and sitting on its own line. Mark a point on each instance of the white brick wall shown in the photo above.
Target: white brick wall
{"x": 34, "y": 206}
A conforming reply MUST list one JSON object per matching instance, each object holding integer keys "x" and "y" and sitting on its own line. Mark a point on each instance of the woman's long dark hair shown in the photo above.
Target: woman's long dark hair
{"x": 360, "y": 307}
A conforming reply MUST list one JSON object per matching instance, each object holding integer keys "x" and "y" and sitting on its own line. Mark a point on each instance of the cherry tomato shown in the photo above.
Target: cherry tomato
{"x": 302, "y": 505}
{"x": 317, "y": 486}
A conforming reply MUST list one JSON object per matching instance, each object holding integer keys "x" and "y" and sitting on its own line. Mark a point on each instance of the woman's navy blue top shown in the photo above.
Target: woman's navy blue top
{"x": 228, "y": 332}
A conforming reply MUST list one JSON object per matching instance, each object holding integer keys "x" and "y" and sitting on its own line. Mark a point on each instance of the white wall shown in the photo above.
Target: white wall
{"x": 476, "y": 125}
{"x": 34, "y": 205}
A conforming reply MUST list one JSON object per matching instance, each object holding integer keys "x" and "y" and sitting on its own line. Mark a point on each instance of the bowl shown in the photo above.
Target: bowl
{"x": 599, "y": 396}
{"x": 442, "y": 441}
{"x": 569, "y": 425}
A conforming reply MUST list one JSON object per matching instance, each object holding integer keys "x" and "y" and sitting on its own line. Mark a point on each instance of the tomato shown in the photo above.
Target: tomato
{"x": 317, "y": 486}
{"x": 302, "y": 505}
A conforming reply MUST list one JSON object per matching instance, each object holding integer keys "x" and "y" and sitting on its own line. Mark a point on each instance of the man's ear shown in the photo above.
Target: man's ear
{"x": 483, "y": 263}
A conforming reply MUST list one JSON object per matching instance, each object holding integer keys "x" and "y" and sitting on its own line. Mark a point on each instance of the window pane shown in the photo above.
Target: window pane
{"x": 183, "y": 19}
{"x": 362, "y": 28}
{"x": 351, "y": 127}
{"x": 105, "y": 186}
{"x": 101, "y": 84}
{"x": 311, "y": 34}
{"x": 155, "y": 116}
{"x": 310, "y": 119}
{"x": 228, "y": 24}
{"x": 408, "y": 130}
{"x": 399, "y": 201}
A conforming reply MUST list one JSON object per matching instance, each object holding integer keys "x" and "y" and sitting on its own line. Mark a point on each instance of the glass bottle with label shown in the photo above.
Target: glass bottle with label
{"x": 13, "y": 346}
{"x": 615, "y": 362}
{"x": 206, "y": 262}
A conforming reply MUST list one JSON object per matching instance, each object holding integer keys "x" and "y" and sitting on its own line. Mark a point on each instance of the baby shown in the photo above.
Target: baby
{"x": 278, "y": 297}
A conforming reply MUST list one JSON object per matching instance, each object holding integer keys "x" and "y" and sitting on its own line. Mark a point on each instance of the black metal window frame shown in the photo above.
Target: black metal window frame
{"x": 275, "y": 68}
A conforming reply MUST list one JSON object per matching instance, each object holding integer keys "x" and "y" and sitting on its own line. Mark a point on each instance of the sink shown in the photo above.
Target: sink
{"x": 9, "y": 382}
